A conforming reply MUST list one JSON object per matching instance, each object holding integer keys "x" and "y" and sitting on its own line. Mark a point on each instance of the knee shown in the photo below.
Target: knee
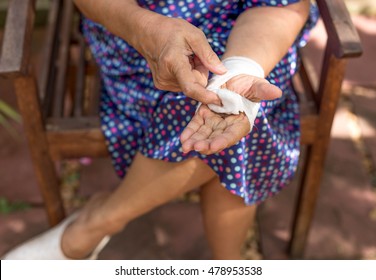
{"x": 200, "y": 168}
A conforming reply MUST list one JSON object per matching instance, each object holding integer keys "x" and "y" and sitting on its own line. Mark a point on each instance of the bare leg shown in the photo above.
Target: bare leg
{"x": 148, "y": 184}
{"x": 226, "y": 220}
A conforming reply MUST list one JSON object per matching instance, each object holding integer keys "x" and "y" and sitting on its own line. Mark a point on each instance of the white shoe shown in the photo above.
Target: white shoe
{"x": 47, "y": 246}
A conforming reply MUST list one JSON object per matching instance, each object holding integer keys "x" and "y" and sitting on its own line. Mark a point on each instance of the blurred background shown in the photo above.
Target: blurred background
{"x": 344, "y": 225}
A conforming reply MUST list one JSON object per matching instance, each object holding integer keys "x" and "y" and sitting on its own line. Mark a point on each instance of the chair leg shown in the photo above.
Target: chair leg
{"x": 28, "y": 101}
{"x": 332, "y": 74}
{"x": 309, "y": 186}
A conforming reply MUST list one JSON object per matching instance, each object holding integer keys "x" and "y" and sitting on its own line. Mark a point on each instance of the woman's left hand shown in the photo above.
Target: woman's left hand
{"x": 209, "y": 132}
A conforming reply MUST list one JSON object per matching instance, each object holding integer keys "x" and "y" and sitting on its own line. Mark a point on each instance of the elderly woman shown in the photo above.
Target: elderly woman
{"x": 172, "y": 128}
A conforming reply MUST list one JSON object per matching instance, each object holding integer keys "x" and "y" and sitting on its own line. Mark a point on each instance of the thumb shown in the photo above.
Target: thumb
{"x": 263, "y": 90}
{"x": 253, "y": 88}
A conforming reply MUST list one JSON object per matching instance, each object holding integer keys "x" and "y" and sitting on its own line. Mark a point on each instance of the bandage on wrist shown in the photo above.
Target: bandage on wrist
{"x": 232, "y": 102}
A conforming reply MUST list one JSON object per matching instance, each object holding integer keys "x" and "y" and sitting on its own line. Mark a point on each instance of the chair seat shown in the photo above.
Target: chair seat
{"x": 75, "y": 138}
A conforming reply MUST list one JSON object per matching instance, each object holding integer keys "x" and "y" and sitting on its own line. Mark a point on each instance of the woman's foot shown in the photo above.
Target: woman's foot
{"x": 84, "y": 234}
{"x": 47, "y": 246}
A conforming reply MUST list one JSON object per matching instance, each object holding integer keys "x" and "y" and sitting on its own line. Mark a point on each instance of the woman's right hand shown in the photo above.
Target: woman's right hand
{"x": 179, "y": 56}
{"x": 177, "y": 52}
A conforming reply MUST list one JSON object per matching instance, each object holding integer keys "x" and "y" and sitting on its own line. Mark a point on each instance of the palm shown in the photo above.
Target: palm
{"x": 209, "y": 132}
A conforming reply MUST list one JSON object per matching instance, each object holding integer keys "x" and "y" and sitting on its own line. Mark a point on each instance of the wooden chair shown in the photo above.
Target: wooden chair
{"x": 59, "y": 103}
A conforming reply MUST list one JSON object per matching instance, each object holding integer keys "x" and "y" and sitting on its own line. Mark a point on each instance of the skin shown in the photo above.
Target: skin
{"x": 209, "y": 132}
{"x": 255, "y": 35}
{"x": 169, "y": 57}
{"x": 150, "y": 183}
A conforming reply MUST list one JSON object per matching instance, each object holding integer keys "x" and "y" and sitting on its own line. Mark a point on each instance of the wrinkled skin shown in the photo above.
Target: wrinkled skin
{"x": 181, "y": 62}
{"x": 209, "y": 132}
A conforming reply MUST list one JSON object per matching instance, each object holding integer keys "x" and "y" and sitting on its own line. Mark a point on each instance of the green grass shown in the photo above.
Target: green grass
{"x": 7, "y": 207}
{"x": 7, "y": 114}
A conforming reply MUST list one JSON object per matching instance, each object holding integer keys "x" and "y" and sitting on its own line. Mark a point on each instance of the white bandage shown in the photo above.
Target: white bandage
{"x": 234, "y": 103}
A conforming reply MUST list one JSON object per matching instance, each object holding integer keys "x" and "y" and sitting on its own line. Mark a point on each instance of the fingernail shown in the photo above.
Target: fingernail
{"x": 214, "y": 101}
{"x": 218, "y": 102}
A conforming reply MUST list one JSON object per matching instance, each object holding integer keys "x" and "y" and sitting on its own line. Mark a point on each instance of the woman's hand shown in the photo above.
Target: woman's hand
{"x": 179, "y": 56}
{"x": 253, "y": 88}
{"x": 209, "y": 132}
{"x": 177, "y": 52}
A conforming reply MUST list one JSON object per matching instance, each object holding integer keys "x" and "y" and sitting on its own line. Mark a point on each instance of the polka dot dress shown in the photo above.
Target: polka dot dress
{"x": 137, "y": 117}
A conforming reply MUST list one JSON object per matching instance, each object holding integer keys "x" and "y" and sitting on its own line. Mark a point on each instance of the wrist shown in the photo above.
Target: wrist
{"x": 125, "y": 19}
{"x": 139, "y": 23}
{"x": 244, "y": 65}
{"x": 235, "y": 65}
{"x": 142, "y": 33}
{"x": 232, "y": 102}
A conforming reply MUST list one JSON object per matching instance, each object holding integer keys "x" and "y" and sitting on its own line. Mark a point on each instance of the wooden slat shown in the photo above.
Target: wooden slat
{"x": 46, "y": 77}
{"x": 62, "y": 63}
{"x": 28, "y": 102}
{"x": 307, "y": 102}
{"x": 342, "y": 34}
{"x": 308, "y": 129}
{"x": 76, "y": 137}
{"x": 17, "y": 38}
{"x": 77, "y": 143}
{"x": 91, "y": 68}
{"x": 56, "y": 124}
{"x": 309, "y": 78}
{"x": 92, "y": 97}
{"x": 80, "y": 80}
{"x": 331, "y": 80}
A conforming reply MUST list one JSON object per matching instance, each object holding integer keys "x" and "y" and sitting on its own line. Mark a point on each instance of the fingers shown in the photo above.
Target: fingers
{"x": 193, "y": 126}
{"x": 266, "y": 91}
{"x": 199, "y": 139}
{"x": 200, "y": 71}
{"x": 220, "y": 143}
{"x": 209, "y": 133}
{"x": 177, "y": 70}
{"x": 207, "y": 56}
{"x": 237, "y": 126}
{"x": 191, "y": 87}
{"x": 253, "y": 88}
{"x": 172, "y": 65}
{"x": 186, "y": 138}
{"x": 198, "y": 130}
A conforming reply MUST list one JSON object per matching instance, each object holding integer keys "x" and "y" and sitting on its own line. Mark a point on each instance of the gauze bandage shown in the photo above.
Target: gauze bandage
{"x": 234, "y": 103}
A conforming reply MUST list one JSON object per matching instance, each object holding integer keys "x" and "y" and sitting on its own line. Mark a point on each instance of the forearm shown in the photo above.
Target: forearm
{"x": 121, "y": 17}
{"x": 265, "y": 34}
{"x": 166, "y": 43}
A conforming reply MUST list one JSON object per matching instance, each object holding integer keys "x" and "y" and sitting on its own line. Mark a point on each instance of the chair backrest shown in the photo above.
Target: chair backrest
{"x": 319, "y": 92}
{"x": 67, "y": 81}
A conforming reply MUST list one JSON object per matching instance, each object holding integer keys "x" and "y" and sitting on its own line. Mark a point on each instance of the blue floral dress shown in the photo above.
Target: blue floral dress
{"x": 137, "y": 117}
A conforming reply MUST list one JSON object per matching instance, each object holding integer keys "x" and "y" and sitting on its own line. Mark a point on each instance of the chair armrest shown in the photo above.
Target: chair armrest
{"x": 17, "y": 38}
{"x": 343, "y": 37}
